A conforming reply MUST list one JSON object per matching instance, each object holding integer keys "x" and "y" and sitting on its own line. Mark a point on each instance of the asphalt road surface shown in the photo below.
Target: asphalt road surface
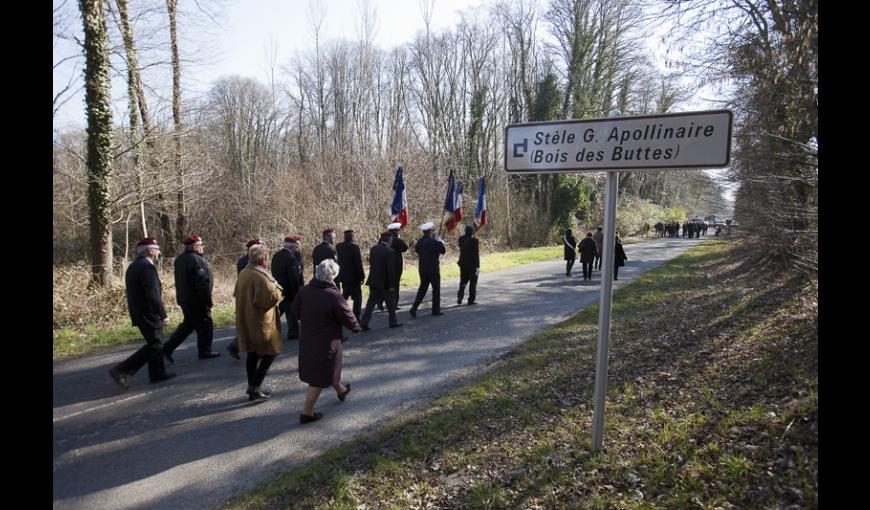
{"x": 195, "y": 441}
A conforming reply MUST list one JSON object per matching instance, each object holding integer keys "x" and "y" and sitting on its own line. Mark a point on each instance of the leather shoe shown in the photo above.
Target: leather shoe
{"x": 472, "y": 303}
{"x": 365, "y": 327}
{"x": 342, "y": 396}
{"x": 396, "y": 325}
{"x": 413, "y": 312}
{"x": 233, "y": 352}
{"x": 260, "y": 394}
{"x": 168, "y": 357}
{"x": 167, "y": 375}
{"x": 437, "y": 313}
{"x": 119, "y": 377}
{"x": 209, "y": 355}
{"x": 304, "y": 418}
{"x": 292, "y": 337}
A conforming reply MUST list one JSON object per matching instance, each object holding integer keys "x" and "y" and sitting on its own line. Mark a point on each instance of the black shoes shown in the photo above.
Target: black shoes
{"x": 164, "y": 377}
{"x": 364, "y": 327}
{"x": 396, "y": 325}
{"x": 437, "y": 313}
{"x": 413, "y": 312}
{"x": 472, "y": 303}
{"x": 293, "y": 337}
{"x": 209, "y": 355}
{"x": 168, "y": 357}
{"x": 259, "y": 394}
{"x": 342, "y": 396}
{"x": 304, "y": 418}
{"x": 459, "y": 301}
{"x": 119, "y": 377}
{"x": 233, "y": 352}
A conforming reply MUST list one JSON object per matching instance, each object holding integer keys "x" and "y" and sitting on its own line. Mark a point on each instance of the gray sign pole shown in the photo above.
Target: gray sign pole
{"x": 603, "y": 351}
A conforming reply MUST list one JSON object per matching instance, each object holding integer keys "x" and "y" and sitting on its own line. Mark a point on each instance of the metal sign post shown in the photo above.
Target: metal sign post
{"x": 602, "y": 352}
{"x": 669, "y": 141}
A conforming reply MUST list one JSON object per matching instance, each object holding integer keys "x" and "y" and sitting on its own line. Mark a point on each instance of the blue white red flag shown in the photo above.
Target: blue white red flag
{"x": 399, "y": 207}
{"x": 453, "y": 204}
{"x": 480, "y": 212}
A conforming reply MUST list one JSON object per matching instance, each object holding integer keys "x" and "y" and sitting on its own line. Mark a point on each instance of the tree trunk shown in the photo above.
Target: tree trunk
{"x": 132, "y": 90}
{"x": 180, "y": 218}
{"x": 99, "y": 161}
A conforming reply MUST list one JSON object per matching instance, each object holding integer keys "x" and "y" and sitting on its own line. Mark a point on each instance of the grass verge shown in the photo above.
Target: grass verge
{"x": 712, "y": 403}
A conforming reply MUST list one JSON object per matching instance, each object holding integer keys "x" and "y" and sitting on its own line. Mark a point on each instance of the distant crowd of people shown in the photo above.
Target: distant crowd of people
{"x": 316, "y": 312}
{"x": 688, "y": 229}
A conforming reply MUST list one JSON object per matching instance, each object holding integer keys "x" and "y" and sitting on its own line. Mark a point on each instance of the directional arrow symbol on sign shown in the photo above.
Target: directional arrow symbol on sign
{"x": 524, "y": 145}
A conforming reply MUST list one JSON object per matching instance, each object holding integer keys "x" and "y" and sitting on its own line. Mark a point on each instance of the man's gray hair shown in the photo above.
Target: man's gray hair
{"x": 326, "y": 271}
{"x": 257, "y": 254}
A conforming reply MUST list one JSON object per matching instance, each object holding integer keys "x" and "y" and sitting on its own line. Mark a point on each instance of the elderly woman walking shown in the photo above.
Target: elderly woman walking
{"x": 323, "y": 312}
{"x": 257, "y": 319}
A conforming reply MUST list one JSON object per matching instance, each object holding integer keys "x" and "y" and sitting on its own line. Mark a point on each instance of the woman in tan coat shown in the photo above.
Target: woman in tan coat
{"x": 258, "y": 324}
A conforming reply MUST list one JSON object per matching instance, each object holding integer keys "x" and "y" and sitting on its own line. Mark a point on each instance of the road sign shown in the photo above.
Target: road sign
{"x": 677, "y": 140}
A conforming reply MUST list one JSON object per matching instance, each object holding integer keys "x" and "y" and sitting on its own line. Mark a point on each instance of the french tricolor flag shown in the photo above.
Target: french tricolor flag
{"x": 453, "y": 203}
{"x": 399, "y": 207}
{"x": 480, "y": 212}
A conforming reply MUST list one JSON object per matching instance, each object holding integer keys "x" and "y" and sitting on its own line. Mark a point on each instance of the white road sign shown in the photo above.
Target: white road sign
{"x": 677, "y": 140}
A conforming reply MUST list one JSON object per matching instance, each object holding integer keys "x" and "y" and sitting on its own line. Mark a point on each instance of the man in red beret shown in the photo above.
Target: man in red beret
{"x": 233, "y": 347}
{"x": 287, "y": 269}
{"x": 193, "y": 288}
{"x": 326, "y": 249}
{"x": 145, "y": 302}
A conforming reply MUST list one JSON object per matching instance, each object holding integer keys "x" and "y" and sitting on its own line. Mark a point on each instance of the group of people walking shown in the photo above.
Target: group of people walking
{"x": 591, "y": 250}
{"x": 263, "y": 294}
{"x": 688, "y": 229}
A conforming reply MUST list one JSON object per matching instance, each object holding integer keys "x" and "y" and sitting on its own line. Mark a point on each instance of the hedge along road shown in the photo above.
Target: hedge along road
{"x": 195, "y": 441}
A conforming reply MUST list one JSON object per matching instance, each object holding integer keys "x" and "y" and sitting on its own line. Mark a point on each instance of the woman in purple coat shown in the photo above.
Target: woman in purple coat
{"x": 323, "y": 312}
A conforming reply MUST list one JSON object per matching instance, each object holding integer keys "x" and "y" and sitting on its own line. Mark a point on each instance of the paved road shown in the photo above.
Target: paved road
{"x": 195, "y": 441}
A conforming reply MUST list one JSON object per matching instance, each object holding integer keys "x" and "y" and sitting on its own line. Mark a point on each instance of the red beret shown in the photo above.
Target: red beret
{"x": 293, "y": 239}
{"x": 147, "y": 241}
{"x": 192, "y": 239}
{"x": 252, "y": 242}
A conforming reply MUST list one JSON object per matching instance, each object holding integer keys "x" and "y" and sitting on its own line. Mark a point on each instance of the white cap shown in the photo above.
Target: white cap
{"x": 427, "y": 226}
{"x": 393, "y": 226}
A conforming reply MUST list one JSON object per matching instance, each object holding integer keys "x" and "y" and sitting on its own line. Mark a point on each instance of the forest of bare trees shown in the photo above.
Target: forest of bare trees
{"x": 316, "y": 144}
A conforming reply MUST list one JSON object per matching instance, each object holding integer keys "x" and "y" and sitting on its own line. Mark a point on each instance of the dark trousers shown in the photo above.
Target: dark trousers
{"x": 569, "y": 265}
{"x": 150, "y": 353}
{"x": 587, "y": 270}
{"x": 615, "y": 271}
{"x": 257, "y": 366}
{"x": 425, "y": 281}
{"x": 292, "y": 322}
{"x": 596, "y": 262}
{"x": 467, "y": 276}
{"x": 354, "y": 293}
{"x": 377, "y": 295}
{"x": 198, "y": 319}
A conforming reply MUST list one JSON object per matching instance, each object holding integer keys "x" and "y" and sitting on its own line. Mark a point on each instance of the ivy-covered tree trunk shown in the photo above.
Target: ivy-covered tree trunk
{"x": 99, "y": 160}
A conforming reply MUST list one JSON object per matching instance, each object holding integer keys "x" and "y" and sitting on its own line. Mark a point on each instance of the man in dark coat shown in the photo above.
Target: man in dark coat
{"x": 351, "y": 273}
{"x": 469, "y": 265}
{"x": 429, "y": 250}
{"x": 570, "y": 251}
{"x": 588, "y": 249}
{"x": 145, "y": 303}
{"x": 619, "y": 258}
{"x": 193, "y": 288}
{"x": 326, "y": 249}
{"x": 399, "y": 246}
{"x": 242, "y": 263}
{"x": 287, "y": 270}
{"x": 382, "y": 278}
{"x": 323, "y": 312}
